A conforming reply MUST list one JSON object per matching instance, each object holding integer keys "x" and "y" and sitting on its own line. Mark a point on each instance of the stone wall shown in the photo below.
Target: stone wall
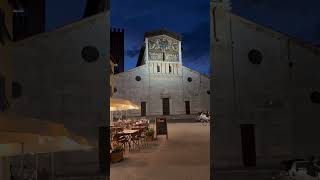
{"x": 273, "y": 95}
{"x": 154, "y": 86}
{"x": 305, "y": 77}
{"x": 59, "y": 85}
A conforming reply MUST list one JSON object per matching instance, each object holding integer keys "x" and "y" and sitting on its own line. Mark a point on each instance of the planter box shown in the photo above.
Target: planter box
{"x": 149, "y": 138}
{"x": 116, "y": 157}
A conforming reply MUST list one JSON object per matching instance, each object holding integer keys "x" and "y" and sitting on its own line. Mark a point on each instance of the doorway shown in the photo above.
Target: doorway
{"x": 248, "y": 145}
{"x": 143, "y": 109}
{"x": 166, "y": 106}
{"x": 187, "y": 107}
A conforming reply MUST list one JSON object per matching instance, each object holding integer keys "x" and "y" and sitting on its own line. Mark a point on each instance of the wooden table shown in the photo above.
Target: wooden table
{"x": 116, "y": 127}
{"x": 139, "y": 127}
{"x": 128, "y": 132}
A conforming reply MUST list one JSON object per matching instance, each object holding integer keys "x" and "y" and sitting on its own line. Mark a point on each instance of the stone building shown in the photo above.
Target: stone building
{"x": 28, "y": 18}
{"x": 160, "y": 83}
{"x": 61, "y": 76}
{"x": 23, "y": 18}
{"x": 266, "y": 93}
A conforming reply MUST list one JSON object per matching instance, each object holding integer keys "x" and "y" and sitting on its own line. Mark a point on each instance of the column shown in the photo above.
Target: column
{"x": 146, "y": 51}
{"x": 180, "y": 53}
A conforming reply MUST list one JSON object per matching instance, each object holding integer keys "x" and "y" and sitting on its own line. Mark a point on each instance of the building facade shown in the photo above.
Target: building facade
{"x": 44, "y": 77}
{"x": 28, "y": 18}
{"x": 266, "y": 100}
{"x": 160, "y": 84}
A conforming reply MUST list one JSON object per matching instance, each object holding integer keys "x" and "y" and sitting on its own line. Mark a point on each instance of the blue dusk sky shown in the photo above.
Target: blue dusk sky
{"x": 191, "y": 19}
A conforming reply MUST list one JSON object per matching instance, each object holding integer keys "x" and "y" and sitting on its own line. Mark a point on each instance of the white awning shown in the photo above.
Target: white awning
{"x": 117, "y": 104}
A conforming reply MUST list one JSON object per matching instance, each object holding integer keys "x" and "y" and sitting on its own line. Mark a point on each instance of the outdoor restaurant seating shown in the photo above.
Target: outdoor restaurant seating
{"x": 129, "y": 133}
{"x": 142, "y": 135}
{"x": 136, "y": 138}
{"x": 121, "y": 139}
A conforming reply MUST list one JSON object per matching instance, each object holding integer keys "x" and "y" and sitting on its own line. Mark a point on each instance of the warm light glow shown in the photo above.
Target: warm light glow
{"x": 122, "y": 104}
{"x": 37, "y": 136}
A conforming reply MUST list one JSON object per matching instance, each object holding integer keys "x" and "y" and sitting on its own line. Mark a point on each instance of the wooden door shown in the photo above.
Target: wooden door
{"x": 248, "y": 145}
{"x": 166, "y": 106}
{"x": 143, "y": 109}
{"x": 187, "y": 107}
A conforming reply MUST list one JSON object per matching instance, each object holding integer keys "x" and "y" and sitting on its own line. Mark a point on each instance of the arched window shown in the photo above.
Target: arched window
{"x": 170, "y": 70}
{"x": 255, "y": 56}
{"x": 138, "y": 78}
{"x": 90, "y": 54}
{"x": 158, "y": 68}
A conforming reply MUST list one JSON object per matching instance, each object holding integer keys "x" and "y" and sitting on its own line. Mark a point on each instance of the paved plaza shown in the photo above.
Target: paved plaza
{"x": 185, "y": 156}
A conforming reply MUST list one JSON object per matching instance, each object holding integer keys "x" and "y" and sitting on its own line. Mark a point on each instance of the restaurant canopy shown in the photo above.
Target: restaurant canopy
{"x": 26, "y": 135}
{"x": 117, "y": 104}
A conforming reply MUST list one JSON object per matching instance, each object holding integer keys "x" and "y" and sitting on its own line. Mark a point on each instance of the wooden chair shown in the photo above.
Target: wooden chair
{"x": 136, "y": 138}
{"x": 142, "y": 136}
{"x": 122, "y": 139}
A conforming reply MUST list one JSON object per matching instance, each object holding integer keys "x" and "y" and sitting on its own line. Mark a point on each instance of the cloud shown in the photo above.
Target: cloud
{"x": 132, "y": 52}
{"x": 279, "y": 7}
{"x": 288, "y": 16}
{"x": 145, "y": 15}
{"x": 196, "y": 43}
{"x": 196, "y": 47}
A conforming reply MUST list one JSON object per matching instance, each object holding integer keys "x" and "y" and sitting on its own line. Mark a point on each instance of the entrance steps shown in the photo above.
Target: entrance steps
{"x": 177, "y": 118}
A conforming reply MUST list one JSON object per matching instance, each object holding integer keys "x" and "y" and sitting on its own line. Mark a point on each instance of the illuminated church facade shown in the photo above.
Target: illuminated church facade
{"x": 160, "y": 84}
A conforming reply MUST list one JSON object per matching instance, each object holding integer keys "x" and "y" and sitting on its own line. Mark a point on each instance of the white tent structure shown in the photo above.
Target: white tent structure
{"x": 20, "y": 136}
{"x": 117, "y": 104}
{"x": 37, "y": 136}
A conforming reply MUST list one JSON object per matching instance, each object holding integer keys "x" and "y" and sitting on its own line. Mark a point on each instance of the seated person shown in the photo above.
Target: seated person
{"x": 204, "y": 116}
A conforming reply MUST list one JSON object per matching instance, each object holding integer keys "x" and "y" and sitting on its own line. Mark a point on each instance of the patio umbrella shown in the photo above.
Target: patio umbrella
{"x": 37, "y": 136}
{"x": 117, "y": 104}
{"x": 19, "y": 136}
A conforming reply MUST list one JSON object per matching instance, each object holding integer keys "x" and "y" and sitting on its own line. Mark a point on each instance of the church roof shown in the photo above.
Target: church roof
{"x": 140, "y": 58}
{"x": 85, "y": 22}
{"x": 163, "y": 32}
{"x": 264, "y": 28}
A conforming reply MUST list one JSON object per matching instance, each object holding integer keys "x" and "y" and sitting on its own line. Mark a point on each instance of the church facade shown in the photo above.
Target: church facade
{"x": 160, "y": 84}
{"x": 266, "y": 100}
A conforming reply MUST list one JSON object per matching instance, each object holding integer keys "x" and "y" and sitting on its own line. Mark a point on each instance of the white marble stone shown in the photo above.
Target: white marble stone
{"x": 170, "y": 82}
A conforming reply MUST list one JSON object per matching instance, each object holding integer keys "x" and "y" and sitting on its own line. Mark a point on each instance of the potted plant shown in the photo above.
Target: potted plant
{"x": 117, "y": 154}
{"x": 150, "y": 134}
